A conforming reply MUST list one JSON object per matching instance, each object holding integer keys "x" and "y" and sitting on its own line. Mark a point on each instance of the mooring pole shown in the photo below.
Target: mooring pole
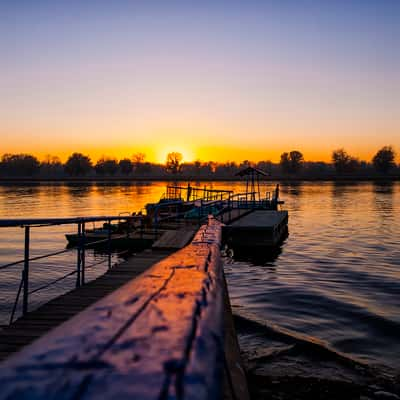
{"x": 26, "y": 271}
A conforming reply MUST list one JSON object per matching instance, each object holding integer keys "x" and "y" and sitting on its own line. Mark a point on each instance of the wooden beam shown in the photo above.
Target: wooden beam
{"x": 160, "y": 336}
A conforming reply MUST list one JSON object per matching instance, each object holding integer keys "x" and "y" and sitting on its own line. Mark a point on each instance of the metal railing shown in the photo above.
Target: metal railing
{"x": 250, "y": 200}
{"x": 189, "y": 193}
{"x": 80, "y": 248}
{"x": 170, "y": 211}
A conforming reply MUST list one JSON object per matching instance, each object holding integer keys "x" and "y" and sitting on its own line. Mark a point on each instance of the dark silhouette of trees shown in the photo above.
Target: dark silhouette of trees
{"x": 106, "y": 166}
{"x": 343, "y": 162}
{"x": 174, "y": 162}
{"x": 227, "y": 169}
{"x": 51, "y": 166}
{"x": 139, "y": 163}
{"x": 19, "y": 165}
{"x": 138, "y": 158}
{"x": 292, "y": 162}
{"x": 78, "y": 165}
{"x": 125, "y": 166}
{"x": 383, "y": 160}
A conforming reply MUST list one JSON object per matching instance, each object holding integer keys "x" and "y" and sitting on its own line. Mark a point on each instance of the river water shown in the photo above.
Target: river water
{"x": 335, "y": 280}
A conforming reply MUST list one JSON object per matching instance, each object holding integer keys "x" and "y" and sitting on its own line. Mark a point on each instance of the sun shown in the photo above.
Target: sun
{"x": 187, "y": 154}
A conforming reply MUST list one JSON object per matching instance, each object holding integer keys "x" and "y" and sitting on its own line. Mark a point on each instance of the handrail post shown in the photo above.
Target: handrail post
{"x": 78, "y": 257}
{"x": 83, "y": 243}
{"x": 26, "y": 271}
{"x": 109, "y": 244}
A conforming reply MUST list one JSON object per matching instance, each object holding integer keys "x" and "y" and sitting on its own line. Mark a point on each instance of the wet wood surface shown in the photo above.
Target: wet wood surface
{"x": 160, "y": 336}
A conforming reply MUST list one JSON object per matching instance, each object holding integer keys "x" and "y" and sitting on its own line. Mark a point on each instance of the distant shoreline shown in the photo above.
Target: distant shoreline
{"x": 198, "y": 179}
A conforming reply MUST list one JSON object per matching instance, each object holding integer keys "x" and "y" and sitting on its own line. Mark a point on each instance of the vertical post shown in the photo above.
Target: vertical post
{"x": 83, "y": 243}
{"x": 26, "y": 271}
{"x": 109, "y": 244}
{"x": 78, "y": 257}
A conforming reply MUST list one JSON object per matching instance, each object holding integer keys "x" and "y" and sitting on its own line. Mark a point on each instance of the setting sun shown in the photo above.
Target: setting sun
{"x": 187, "y": 154}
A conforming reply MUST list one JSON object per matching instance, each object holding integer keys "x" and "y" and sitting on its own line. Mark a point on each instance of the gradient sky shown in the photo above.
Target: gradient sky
{"x": 216, "y": 80}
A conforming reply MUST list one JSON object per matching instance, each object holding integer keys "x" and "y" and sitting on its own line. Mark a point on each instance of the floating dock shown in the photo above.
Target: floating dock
{"x": 258, "y": 228}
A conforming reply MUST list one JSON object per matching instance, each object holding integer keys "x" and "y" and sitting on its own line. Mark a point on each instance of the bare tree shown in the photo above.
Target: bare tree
{"x": 173, "y": 162}
{"x": 138, "y": 160}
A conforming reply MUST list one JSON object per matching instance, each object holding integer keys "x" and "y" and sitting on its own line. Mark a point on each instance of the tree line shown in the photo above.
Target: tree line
{"x": 292, "y": 164}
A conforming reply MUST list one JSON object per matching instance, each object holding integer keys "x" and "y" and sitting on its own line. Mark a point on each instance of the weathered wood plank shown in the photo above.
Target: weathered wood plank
{"x": 160, "y": 336}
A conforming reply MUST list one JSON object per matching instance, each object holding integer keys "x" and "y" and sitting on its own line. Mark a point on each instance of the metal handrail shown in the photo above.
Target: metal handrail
{"x": 16, "y": 222}
{"x": 28, "y": 223}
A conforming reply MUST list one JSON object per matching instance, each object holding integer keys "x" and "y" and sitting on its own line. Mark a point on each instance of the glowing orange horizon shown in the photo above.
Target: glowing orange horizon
{"x": 203, "y": 154}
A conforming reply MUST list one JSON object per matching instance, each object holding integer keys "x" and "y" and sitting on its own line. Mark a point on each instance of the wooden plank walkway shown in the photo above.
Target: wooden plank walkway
{"x": 176, "y": 239}
{"x": 37, "y": 323}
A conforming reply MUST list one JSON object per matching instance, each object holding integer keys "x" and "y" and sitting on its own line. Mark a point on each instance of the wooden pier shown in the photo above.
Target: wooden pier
{"x": 164, "y": 331}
